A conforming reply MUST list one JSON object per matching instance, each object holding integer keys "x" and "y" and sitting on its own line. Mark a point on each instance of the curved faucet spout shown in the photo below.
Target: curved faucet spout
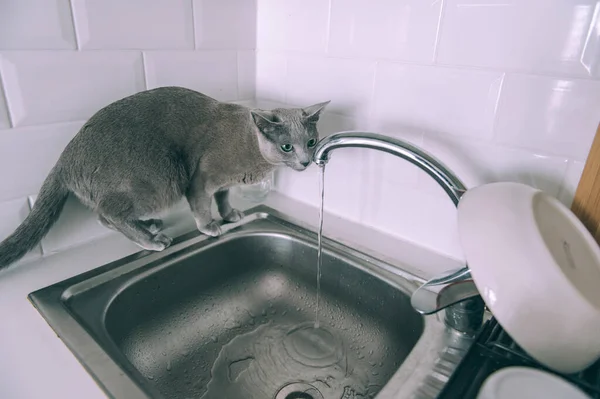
{"x": 434, "y": 168}
{"x": 440, "y": 292}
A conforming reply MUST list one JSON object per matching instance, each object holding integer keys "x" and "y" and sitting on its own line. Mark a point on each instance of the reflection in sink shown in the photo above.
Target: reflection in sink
{"x": 233, "y": 317}
{"x": 243, "y": 312}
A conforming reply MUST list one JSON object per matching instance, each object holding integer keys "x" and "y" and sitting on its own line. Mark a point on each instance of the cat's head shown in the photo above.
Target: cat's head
{"x": 287, "y": 136}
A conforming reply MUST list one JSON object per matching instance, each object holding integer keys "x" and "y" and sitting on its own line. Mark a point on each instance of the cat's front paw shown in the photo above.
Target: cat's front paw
{"x": 212, "y": 229}
{"x": 162, "y": 241}
{"x": 234, "y": 216}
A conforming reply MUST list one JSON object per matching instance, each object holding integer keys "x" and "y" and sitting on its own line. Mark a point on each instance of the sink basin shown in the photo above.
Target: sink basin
{"x": 236, "y": 317}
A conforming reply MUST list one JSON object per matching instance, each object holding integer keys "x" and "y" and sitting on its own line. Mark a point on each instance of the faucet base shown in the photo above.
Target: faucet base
{"x": 466, "y": 316}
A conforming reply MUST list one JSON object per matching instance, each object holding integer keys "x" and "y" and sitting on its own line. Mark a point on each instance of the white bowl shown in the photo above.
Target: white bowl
{"x": 537, "y": 269}
{"x": 527, "y": 383}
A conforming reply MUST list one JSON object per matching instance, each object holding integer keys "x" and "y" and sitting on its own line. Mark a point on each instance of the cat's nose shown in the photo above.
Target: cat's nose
{"x": 305, "y": 164}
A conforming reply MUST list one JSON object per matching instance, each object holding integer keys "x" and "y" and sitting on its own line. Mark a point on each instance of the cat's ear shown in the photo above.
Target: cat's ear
{"x": 313, "y": 112}
{"x": 264, "y": 120}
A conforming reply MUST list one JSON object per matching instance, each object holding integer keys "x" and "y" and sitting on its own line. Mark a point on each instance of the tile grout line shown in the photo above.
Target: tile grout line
{"x": 75, "y": 32}
{"x": 494, "y": 138}
{"x": 438, "y": 33}
{"x": 193, "y": 25}
{"x": 144, "y": 71}
{"x": 11, "y": 123}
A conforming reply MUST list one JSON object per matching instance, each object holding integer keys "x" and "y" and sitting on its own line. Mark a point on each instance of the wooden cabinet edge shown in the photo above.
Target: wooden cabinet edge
{"x": 586, "y": 203}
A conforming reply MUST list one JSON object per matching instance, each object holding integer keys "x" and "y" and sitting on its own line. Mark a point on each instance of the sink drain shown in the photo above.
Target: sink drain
{"x": 299, "y": 390}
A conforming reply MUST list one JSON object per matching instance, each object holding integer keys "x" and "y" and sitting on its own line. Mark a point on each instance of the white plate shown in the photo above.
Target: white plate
{"x": 537, "y": 269}
{"x": 527, "y": 383}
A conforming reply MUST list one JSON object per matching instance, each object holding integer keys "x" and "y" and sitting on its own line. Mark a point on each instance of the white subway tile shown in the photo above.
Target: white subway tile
{"x": 549, "y": 36}
{"x": 36, "y": 24}
{"x": 76, "y": 225}
{"x": 570, "y": 182}
{"x": 134, "y": 24}
{"x": 347, "y": 83}
{"x": 246, "y": 64}
{"x": 292, "y": 25}
{"x": 28, "y": 154}
{"x": 347, "y": 177}
{"x": 559, "y": 116}
{"x": 332, "y": 123}
{"x": 271, "y": 71}
{"x": 302, "y": 186}
{"x": 444, "y": 100}
{"x": 225, "y": 24}
{"x": 4, "y": 119}
{"x": 214, "y": 73}
{"x": 12, "y": 214}
{"x": 477, "y": 163}
{"x": 416, "y": 216}
{"x": 400, "y": 29}
{"x": 59, "y": 86}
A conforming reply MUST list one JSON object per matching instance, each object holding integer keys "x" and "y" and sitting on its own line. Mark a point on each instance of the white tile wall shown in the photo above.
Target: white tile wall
{"x": 134, "y": 24}
{"x": 225, "y": 24}
{"x": 555, "y": 115}
{"x": 347, "y": 83}
{"x": 404, "y": 30}
{"x": 271, "y": 72}
{"x": 36, "y": 24}
{"x": 214, "y": 73}
{"x": 4, "y": 120}
{"x": 246, "y": 78}
{"x": 293, "y": 25}
{"x": 58, "y": 86}
{"x": 542, "y": 36}
{"x": 445, "y": 100}
{"x": 28, "y": 153}
{"x": 61, "y": 61}
{"x": 498, "y": 90}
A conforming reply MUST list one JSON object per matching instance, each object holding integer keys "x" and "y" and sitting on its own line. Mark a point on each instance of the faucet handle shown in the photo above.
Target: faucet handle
{"x": 441, "y": 292}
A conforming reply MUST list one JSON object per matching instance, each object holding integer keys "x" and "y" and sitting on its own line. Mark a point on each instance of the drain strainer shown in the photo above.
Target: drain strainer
{"x": 299, "y": 390}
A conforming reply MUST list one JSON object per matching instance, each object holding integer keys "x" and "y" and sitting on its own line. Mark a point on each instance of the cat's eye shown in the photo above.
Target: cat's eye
{"x": 312, "y": 143}
{"x": 286, "y": 147}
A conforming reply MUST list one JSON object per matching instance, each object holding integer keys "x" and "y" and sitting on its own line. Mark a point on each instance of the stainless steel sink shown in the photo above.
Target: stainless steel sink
{"x": 234, "y": 317}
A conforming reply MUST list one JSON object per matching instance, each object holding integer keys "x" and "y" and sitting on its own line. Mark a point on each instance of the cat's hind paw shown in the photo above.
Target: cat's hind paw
{"x": 234, "y": 216}
{"x": 212, "y": 229}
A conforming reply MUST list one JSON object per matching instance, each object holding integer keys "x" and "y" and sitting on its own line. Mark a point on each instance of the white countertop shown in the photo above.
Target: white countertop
{"x": 36, "y": 364}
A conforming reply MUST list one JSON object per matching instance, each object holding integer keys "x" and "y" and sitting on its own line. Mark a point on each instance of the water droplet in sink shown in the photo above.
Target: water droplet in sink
{"x": 150, "y": 377}
{"x": 215, "y": 339}
{"x": 169, "y": 365}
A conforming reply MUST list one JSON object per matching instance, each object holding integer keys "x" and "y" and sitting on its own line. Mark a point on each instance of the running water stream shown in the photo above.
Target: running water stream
{"x": 320, "y": 241}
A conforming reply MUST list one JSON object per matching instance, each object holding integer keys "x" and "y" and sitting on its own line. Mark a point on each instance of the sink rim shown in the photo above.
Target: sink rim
{"x": 412, "y": 375}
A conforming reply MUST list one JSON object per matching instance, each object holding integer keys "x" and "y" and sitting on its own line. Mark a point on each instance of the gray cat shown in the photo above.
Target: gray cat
{"x": 141, "y": 154}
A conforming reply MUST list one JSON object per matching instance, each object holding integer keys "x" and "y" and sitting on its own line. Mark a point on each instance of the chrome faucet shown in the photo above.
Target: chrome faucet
{"x": 455, "y": 291}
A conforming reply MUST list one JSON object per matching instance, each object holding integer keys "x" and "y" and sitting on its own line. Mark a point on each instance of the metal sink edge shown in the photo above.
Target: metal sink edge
{"x": 422, "y": 375}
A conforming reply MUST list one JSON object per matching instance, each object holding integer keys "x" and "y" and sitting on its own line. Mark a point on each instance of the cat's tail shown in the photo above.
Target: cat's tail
{"x": 46, "y": 210}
